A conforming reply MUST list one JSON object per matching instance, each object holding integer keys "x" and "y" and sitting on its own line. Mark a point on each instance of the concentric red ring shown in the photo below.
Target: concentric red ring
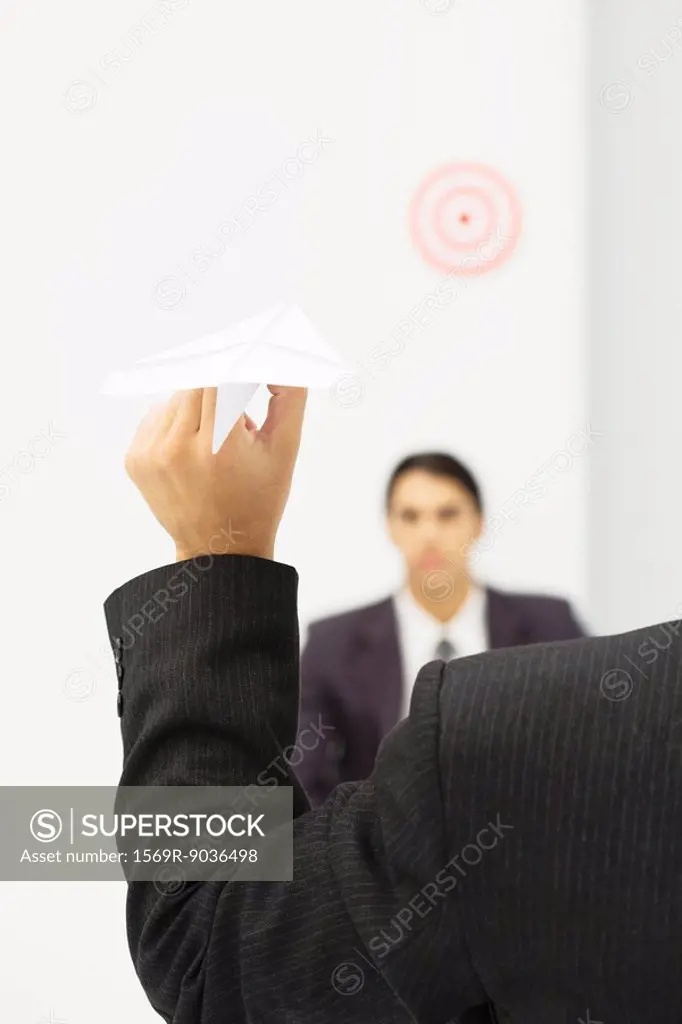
{"x": 480, "y": 196}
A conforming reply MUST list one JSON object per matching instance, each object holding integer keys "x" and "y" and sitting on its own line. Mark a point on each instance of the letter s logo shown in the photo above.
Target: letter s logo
{"x": 46, "y": 826}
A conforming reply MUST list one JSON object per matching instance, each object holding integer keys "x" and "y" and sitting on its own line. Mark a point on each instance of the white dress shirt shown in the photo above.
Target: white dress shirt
{"x": 420, "y": 633}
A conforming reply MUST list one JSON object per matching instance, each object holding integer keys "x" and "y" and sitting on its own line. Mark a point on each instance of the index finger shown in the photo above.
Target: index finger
{"x": 209, "y": 401}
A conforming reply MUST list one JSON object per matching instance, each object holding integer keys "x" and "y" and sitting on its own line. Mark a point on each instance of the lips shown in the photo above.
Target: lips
{"x": 431, "y": 561}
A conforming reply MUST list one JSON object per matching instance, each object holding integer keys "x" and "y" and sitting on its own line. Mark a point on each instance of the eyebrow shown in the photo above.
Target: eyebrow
{"x": 440, "y": 508}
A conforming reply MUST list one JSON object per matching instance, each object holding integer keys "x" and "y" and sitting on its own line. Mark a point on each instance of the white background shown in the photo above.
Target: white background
{"x": 636, "y": 311}
{"x": 109, "y": 184}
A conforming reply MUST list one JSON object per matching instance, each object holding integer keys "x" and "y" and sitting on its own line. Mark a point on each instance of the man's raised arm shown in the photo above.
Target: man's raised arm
{"x": 209, "y": 696}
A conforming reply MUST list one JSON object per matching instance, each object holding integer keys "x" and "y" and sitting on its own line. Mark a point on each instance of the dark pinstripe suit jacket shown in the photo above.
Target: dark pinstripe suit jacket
{"x": 519, "y": 841}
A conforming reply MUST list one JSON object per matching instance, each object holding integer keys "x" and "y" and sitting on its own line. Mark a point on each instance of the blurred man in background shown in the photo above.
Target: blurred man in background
{"x": 357, "y": 668}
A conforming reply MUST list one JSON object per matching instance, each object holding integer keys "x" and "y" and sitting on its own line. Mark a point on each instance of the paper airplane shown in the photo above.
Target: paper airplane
{"x": 280, "y": 346}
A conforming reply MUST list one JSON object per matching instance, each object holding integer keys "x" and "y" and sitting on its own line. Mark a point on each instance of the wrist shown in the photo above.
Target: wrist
{"x": 255, "y": 551}
{"x": 226, "y": 540}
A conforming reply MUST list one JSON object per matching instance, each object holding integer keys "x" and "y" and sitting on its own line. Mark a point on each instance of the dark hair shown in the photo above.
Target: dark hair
{"x": 439, "y": 464}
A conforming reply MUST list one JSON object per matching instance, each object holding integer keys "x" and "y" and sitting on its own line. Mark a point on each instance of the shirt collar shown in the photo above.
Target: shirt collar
{"x": 412, "y": 612}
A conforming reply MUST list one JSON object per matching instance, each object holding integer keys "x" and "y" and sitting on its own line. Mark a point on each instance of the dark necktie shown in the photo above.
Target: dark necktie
{"x": 445, "y": 651}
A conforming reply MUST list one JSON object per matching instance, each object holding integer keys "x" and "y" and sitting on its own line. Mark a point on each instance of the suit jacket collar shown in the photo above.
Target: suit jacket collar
{"x": 505, "y": 625}
{"x": 378, "y": 661}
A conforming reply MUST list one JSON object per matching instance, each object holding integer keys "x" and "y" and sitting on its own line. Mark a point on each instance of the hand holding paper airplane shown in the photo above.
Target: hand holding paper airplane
{"x": 280, "y": 346}
{"x": 228, "y": 503}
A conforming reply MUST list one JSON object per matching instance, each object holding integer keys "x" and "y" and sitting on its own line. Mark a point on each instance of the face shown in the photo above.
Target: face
{"x": 433, "y": 521}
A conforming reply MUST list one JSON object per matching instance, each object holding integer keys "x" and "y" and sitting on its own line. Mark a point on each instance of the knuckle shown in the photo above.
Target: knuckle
{"x": 132, "y": 462}
{"x": 169, "y": 454}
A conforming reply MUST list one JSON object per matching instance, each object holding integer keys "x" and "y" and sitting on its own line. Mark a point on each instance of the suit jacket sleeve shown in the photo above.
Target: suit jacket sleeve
{"x": 210, "y": 697}
{"x": 319, "y": 764}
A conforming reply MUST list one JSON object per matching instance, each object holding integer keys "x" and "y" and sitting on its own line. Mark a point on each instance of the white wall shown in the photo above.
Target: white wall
{"x": 636, "y": 311}
{"x": 111, "y": 179}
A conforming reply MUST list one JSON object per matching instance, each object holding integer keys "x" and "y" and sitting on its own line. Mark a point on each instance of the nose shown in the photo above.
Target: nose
{"x": 429, "y": 529}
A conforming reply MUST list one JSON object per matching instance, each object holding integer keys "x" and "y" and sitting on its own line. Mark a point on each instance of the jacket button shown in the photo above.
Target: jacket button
{"x": 119, "y": 672}
{"x": 119, "y": 704}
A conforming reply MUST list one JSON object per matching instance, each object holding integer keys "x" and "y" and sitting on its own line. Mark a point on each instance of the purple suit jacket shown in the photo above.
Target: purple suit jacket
{"x": 352, "y": 680}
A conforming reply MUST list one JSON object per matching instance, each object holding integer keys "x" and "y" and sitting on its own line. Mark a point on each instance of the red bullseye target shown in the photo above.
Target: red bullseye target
{"x": 465, "y": 218}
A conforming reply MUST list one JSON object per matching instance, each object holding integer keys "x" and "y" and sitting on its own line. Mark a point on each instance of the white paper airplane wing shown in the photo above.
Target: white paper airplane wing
{"x": 229, "y": 339}
{"x": 231, "y": 402}
{"x": 280, "y": 346}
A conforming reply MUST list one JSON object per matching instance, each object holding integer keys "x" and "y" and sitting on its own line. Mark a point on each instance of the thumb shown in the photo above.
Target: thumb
{"x": 284, "y": 421}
